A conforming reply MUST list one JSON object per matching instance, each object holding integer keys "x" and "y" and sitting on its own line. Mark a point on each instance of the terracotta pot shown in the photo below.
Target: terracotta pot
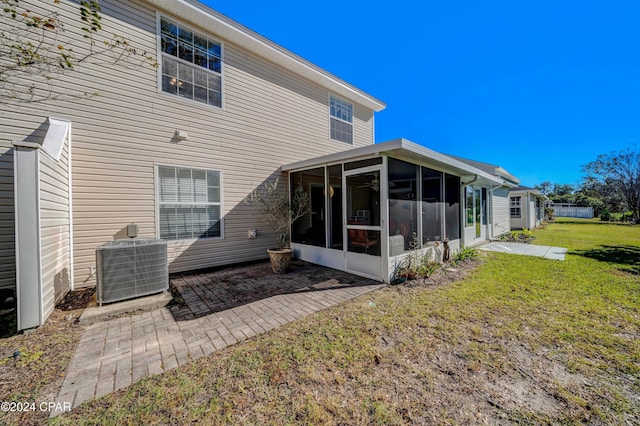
{"x": 280, "y": 259}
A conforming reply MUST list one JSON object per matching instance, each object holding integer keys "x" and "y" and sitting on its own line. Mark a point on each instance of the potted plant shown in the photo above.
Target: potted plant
{"x": 279, "y": 211}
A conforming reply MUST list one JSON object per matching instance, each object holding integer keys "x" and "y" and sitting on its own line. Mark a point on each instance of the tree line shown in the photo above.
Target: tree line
{"x": 611, "y": 184}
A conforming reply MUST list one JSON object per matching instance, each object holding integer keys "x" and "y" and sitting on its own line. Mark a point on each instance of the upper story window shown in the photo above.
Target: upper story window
{"x": 191, "y": 64}
{"x": 516, "y": 213}
{"x": 341, "y": 113}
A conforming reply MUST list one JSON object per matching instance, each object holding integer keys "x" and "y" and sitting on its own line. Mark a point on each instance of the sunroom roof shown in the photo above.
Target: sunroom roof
{"x": 405, "y": 150}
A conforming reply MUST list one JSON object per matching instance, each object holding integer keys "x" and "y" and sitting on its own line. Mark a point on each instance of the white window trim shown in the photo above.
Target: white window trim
{"x": 515, "y": 202}
{"x": 331, "y": 95}
{"x": 159, "y": 54}
{"x": 156, "y": 184}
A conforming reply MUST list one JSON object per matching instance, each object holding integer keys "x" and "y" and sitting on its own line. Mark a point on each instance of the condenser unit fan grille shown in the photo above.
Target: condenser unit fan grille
{"x": 131, "y": 268}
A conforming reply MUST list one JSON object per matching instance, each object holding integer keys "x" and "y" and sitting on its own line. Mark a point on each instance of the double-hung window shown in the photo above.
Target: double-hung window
{"x": 189, "y": 203}
{"x": 515, "y": 208}
{"x": 191, "y": 64}
{"x": 341, "y": 116}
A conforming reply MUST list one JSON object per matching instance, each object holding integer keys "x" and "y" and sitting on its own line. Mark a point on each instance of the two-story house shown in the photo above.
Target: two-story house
{"x": 177, "y": 149}
{"x": 174, "y": 150}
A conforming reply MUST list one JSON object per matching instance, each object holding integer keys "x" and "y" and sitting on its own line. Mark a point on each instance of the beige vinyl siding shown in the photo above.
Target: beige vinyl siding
{"x": 270, "y": 117}
{"x": 54, "y": 229}
{"x": 500, "y": 211}
{"x": 7, "y": 224}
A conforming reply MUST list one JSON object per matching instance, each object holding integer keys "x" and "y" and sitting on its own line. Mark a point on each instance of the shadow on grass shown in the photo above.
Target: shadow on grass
{"x": 626, "y": 257}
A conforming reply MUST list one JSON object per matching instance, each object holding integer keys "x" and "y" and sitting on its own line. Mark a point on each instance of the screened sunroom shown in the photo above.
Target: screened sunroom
{"x": 371, "y": 206}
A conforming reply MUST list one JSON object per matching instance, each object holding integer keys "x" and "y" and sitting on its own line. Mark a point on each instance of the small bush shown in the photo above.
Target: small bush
{"x": 428, "y": 268}
{"x": 605, "y": 216}
{"x": 467, "y": 253}
{"x": 524, "y": 236}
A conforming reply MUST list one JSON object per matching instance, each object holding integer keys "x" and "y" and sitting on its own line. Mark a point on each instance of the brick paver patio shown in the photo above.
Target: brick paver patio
{"x": 220, "y": 308}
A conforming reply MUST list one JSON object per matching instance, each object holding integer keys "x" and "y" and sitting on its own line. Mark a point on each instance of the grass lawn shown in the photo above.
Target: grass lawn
{"x": 521, "y": 339}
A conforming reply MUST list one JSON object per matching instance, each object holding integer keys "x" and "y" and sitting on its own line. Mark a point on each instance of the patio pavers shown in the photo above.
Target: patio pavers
{"x": 221, "y": 308}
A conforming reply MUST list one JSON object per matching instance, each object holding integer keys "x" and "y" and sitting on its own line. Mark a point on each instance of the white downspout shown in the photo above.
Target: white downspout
{"x": 70, "y": 183}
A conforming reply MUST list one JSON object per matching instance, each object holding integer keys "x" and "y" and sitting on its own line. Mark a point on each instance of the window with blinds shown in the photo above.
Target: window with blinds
{"x": 189, "y": 203}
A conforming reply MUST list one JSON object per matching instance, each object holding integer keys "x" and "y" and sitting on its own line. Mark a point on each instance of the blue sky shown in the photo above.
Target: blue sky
{"x": 540, "y": 88}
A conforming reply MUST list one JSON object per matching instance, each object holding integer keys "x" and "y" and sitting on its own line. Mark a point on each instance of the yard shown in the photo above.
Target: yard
{"x": 519, "y": 340}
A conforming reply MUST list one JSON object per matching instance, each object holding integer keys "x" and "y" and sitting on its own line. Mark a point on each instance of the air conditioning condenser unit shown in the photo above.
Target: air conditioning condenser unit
{"x": 131, "y": 268}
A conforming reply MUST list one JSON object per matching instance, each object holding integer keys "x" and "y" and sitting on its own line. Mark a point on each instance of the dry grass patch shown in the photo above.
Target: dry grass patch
{"x": 517, "y": 340}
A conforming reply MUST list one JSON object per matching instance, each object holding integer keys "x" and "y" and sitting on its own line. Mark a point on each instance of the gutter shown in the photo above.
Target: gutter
{"x": 214, "y": 22}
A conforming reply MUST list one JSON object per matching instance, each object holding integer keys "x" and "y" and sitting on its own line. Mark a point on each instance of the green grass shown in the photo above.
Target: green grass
{"x": 520, "y": 340}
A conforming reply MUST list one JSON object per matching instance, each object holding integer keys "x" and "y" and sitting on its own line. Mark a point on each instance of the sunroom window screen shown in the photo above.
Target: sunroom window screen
{"x": 189, "y": 203}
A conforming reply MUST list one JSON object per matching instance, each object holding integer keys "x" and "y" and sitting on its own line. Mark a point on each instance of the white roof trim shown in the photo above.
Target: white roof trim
{"x": 399, "y": 146}
{"x": 216, "y": 23}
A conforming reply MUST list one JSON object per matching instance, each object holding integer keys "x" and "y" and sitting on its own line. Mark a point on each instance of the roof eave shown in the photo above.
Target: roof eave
{"x": 397, "y": 147}
{"x": 205, "y": 17}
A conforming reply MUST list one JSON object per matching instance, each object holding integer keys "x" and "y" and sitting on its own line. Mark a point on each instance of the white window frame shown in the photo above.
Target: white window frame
{"x": 331, "y": 117}
{"x": 160, "y": 53}
{"x": 515, "y": 202}
{"x": 157, "y": 200}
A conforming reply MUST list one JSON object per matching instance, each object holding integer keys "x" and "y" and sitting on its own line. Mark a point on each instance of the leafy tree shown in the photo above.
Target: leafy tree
{"x": 36, "y": 50}
{"x": 612, "y": 200}
{"x": 544, "y": 187}
{"x": 562, "y": 189}
{"x": 619, "y": 171}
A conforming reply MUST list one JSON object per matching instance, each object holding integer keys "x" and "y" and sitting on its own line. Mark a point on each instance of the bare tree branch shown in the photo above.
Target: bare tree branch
{"x": 35, "y": 51}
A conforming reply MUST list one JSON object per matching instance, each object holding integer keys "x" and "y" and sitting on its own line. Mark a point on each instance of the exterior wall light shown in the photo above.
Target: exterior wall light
{"x": 181, "y": 135}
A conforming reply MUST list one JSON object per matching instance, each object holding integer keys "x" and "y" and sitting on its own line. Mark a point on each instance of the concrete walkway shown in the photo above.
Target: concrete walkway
{"x": 548, "y": 252}
{"x": 116, "y": 353}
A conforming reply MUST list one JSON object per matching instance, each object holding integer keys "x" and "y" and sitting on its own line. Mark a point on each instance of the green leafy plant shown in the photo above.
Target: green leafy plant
{"x": 548, "y": 213}
{"x": 467, "y": 253}
{"x": 428, "y": 267}
{"x": 278, "y": 210}
{"x": 523, "y": 236}
{"x": 605, "y": 216}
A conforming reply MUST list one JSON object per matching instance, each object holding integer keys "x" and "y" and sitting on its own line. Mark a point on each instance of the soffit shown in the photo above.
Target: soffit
{"x": 206, "y": 18}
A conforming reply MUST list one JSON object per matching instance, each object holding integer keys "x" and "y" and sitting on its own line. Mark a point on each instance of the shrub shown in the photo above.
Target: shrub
{"x": 548, "y": 213}
{"x": 605, "y": 215}
{"x": 524, "y": 236}
{"x": 467, "y": 253}
{"x": 427, "y": 267}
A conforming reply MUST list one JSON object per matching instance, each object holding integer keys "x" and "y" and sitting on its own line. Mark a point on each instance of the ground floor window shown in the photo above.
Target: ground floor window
{"x": 189, "y": 203}
{"x": 516, "y": 212}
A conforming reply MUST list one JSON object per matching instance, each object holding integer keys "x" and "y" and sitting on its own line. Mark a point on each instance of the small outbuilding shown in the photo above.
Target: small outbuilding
{"x": 526, "y": 207}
